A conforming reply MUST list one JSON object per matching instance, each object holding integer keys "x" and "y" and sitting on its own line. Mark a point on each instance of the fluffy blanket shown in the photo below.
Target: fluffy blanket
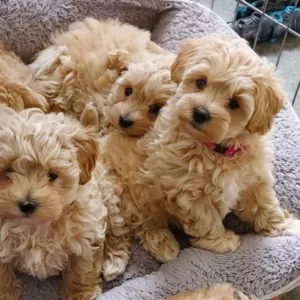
{"x": 262, "y": 266}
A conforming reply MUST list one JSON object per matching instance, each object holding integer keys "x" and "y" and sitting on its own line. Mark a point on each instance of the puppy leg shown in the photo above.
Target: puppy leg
{"x": 9, "y": 285}
{"x": 203, "y": 223}
{"x": 260, "y": 207}
{"x": 19, "y": 96}
{"x": 81, "y": 277}
{"x": 150, "y": 228}
{"x": 117, "y": 251}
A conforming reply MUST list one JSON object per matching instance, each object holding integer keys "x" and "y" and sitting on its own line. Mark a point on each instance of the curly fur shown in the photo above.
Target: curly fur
{"x": 18, "y": 89}
{"x": 82, "y": 64}
{"x": 201, "y": 186}
{"x": 66, "y": 233}
{"x": 217, "y": 292}
{"x": 123, "y": 152}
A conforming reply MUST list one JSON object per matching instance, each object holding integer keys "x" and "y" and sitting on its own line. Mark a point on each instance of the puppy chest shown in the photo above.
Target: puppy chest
{"x": 33, "y": 253}
{"x": 41, "y": 262}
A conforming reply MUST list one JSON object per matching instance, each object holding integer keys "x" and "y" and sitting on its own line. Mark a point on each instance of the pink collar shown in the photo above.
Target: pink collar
{"x": 227, "y": 151}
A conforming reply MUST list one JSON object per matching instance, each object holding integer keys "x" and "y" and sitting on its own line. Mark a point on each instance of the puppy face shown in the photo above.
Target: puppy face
{"x": 139, "y": 95}
{"x": 43, "y": 160}
{"x": 224, "y": 89}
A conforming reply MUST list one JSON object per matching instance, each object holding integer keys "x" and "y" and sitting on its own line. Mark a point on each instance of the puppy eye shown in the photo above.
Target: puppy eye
{"x": 201, "y": 84}
{"x": 52, "y": 177}
{"x": 233, "y": 104}
{"x": 155, "y": 108}
{"x": 128, "y": 92}
{"x": 9, "y": 170}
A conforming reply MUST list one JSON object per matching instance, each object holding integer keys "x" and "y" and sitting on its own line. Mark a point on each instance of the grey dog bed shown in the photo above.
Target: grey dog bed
{"x": 262, "y": 266}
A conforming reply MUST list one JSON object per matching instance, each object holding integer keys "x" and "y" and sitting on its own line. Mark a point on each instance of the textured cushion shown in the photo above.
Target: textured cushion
{"x": 262, "y": 265}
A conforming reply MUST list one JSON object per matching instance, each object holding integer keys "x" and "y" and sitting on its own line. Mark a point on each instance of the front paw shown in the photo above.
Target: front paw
{"x": 161, "y": 244}
{"x": 222, "y": 243}
{"x": 290, "y": 226}
{"x": 114, "y": 266}
{"x": 89, "y": 294}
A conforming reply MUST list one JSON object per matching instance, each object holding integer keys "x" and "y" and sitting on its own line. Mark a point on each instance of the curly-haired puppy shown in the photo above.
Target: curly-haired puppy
{"x": 211, "y": 154}
{"x": 18, "y": 89}
{"x": 54, "y": 203}
{"x": 82, "y": 64}
{"x": 139, "y": 93}
{"x": 217, "y": 292}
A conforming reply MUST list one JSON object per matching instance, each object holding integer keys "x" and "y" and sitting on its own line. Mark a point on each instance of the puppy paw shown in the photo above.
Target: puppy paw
{"x": 90, "y": 294}
{"x": 290, "y": 226}
{"x": 113, "y": 267}
{"x": 161, "y": 244}
{"x": 225, "y": 243}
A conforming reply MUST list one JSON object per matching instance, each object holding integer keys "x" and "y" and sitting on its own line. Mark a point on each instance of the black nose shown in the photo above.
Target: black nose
{"x": 27, "y": 206}
{"x": 201, "y": 115}
{"x": 125, "y": 121}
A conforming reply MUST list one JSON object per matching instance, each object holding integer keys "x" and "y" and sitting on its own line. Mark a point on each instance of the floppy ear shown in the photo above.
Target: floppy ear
{"x": 269, "y": 100}
{"x": 90, "y": 118}
{"x": 187, "y": 50}
{"x": 87, "y": 153}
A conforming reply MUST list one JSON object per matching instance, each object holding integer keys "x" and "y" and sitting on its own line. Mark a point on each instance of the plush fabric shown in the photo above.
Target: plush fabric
{"x": 262, "y": 265}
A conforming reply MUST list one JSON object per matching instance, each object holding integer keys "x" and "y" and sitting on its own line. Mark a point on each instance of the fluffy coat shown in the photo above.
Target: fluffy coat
{"x": 226, "y": 96}
{"x": 50, "y": 162}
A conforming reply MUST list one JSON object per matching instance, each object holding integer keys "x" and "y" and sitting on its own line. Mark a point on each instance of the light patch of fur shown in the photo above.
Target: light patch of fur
{"x": 82, "y": 64}
{"x": 202, "y": 186}
{"x": 66, "y": 233}
{"x": 217, "y": 292}
{"x": 18, "y": 88}
{"x": 123, "y": 152}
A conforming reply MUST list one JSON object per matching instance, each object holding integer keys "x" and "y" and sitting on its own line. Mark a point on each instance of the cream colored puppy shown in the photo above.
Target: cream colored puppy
{"x": 211, "y": 154}
{"x": 55, "y": 203}
{"x": 82, "y": 64}
{"x": 140, "y": 93}
{"x": 18, "y": 88}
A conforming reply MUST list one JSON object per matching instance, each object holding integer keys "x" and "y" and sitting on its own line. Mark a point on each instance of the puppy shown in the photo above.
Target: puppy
{"x": 18, "y": 89}
{"x": 82, "y": 64}
{"x": 55, "y": 203}
{"x": 211, "y": 154}
{"x": 217, "y": 292}
{"x": 140, "y": 94}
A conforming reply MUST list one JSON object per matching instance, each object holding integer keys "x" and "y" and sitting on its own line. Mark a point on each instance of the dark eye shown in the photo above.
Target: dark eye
{"x": 155, "y": 108}
{"x": 201, "y": 84}
{"x": 9, "y": 170}
{"x": 128, "y": 91}
{"x": 233, "y": 104}
{"x": 52, "y": 177}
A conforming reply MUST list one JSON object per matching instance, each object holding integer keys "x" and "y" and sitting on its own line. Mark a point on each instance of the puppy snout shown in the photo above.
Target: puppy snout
{"x": 125, "y": 121}
{"x": 27, "y": 206}
{"x": 201, "y": 115}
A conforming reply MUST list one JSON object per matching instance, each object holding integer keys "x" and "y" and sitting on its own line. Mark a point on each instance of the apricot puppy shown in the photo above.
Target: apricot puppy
{"x": 140, "y": 94}
{"x": 83, "y": 63}
{"x": 18, "y": 89}
{"x": 211, "y": 154}
{"x": 55, "y": 203}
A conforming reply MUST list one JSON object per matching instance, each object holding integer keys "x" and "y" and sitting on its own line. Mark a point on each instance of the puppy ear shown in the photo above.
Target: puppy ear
{"x": 87, "y": 153}
{"x": 89, "y": 117}
{"x": 269, "y": 100}
{"x": 188, "y": 49}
